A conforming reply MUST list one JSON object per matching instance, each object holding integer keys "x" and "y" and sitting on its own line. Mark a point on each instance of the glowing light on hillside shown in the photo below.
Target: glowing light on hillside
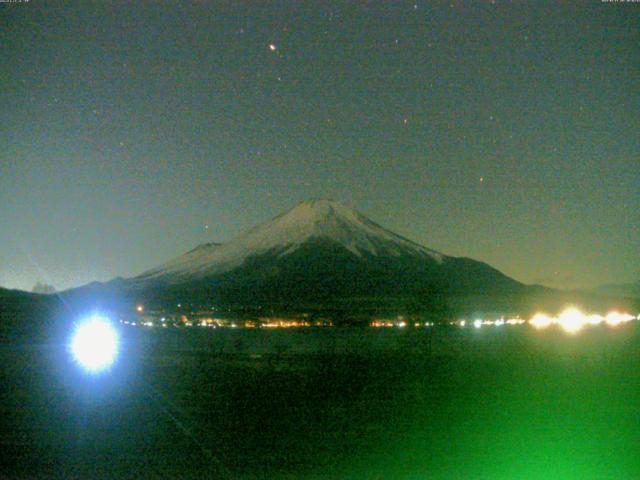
{"x": 477, "y": 323}
{"x": 95, "y": 344}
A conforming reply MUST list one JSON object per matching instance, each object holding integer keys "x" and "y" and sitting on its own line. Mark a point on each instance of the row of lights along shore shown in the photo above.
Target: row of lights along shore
{"x": 94, "y": 343}
{"x": 571, "y": 320}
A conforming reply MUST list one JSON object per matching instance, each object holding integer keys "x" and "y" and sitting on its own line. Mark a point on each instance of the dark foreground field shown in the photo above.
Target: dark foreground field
{"x": 500, "y": 403}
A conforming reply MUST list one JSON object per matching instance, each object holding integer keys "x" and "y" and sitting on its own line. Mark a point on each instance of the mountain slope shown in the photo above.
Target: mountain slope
{"x": 24, "y": 315}
{"x": 313, "y": 219}
{"x": 317, "y": 250}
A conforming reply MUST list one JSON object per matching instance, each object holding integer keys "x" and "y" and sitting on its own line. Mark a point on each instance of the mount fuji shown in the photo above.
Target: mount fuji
{"x": 318, "y": 250}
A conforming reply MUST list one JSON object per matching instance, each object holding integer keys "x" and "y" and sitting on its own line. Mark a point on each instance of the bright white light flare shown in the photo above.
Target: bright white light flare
{"x": 615, "y": 318}
{"x": 572, "y": 320}
{"x": 540, "y": 320}
{"x": 95, "y": 344}
{"x": 595, "y": 319}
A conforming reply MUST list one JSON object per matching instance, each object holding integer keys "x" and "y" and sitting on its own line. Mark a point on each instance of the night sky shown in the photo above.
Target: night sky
{"x": 131, "y": 132}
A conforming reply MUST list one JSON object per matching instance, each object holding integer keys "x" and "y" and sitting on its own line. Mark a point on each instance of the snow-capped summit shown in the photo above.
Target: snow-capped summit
{"x": 317, "y": 219}
{"x": 328, "y": 219}
{"x": 317, "y": 251}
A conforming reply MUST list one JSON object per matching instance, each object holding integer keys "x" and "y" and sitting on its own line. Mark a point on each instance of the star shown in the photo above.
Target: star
{"x": 272, "y": 47}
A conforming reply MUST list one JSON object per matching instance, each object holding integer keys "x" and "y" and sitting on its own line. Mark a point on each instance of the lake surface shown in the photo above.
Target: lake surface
{"x": 490, "y": 403}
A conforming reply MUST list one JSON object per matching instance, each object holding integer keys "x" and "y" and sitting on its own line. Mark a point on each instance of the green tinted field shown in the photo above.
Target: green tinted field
{"x": 477, "y": 404}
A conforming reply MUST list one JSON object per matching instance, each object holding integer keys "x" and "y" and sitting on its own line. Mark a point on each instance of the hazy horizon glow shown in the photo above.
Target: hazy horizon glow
{"x": 134, "y": 132}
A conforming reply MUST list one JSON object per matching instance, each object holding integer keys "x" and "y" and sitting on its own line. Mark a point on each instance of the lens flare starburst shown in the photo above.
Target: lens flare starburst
{"x": 95, "y": 344}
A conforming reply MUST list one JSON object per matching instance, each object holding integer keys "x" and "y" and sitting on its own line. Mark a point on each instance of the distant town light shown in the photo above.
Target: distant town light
{"x": 571, "y": 320}
{"x": 595, "y": 319}
{"x": 477, "y": 323}
{"x": 515, "y": 321}
{"x": 540, "y": 320}
{"x": 615, "y": 318}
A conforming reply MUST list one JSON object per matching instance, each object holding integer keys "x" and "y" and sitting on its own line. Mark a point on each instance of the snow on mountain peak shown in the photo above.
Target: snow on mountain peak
{"x": 311, "y": 219}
